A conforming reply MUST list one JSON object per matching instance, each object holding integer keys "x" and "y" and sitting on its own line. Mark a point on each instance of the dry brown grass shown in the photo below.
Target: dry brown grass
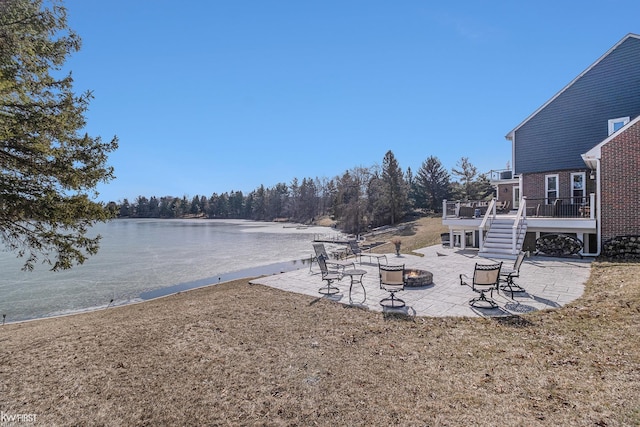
{"x": 240, "y": 354}
{"x": 413, "y": 235}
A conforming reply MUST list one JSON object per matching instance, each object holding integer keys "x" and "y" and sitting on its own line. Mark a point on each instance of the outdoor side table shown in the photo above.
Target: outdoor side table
{"x": 356, "y": 276}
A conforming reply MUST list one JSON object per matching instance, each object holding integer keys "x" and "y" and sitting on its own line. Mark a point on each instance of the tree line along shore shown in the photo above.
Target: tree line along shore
{"x": 359, "y": 199}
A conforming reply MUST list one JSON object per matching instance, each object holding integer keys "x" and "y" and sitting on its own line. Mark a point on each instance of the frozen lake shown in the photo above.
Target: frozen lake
{"x": 144, "y": 258}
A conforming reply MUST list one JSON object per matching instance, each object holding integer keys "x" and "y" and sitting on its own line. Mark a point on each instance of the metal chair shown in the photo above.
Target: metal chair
{"x": 507, "y": 276}
{"x": 486, "y": 277}
{"x": 392, "y": 281}
{"x": 320, "y": 251}
{"x": 359, "y": 252}
{"x": 328, "y": 276}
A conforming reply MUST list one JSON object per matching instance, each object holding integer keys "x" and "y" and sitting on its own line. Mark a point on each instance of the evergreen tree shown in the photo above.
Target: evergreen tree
{"x": 259, "y": 208}
{"x": 483, "y": 188}
{"x": 410, "y": 182}
{"x": 233, "y": 205}
{"x": 466, "y": 174}
{"x": 432, "y": 184}
{"x": 308, "y": 200}
{"x": 48, "y": 169}
{"x": 377, "y": 211}
{"x": 165, "y": 207}
{"x": 277, "y": 199}
{"x": 329, "y": 196}
{"x": 154, "y": 207}
{"x": 204, "y": 205}
{"x": 294, "y": 199}
{"x": 394, "y": 190}
{"x": 142, "y": 207}
{"x": 125, "y": 209}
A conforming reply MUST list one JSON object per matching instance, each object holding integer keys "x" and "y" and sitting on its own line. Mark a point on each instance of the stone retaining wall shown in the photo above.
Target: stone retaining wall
{"x": 622, "y": 247}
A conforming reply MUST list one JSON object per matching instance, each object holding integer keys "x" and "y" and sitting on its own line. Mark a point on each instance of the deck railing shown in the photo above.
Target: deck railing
{"x": 500, "y": 174}
{"x": 562, "y": 207}
{"x": 518, "y": 225}
{"x": 487, "y": 220}
{"x": 465, "y": 208}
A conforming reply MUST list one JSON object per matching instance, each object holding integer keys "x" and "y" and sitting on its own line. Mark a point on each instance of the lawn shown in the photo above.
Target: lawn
{"x": 240, "y": 354}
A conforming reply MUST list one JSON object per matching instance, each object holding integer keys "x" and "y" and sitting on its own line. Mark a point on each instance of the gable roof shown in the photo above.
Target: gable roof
{"x": 591, "y": 156}
{"x": 512, "y": 132}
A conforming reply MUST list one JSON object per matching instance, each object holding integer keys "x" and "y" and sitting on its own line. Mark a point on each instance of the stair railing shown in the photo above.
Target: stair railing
{"x": 489, "y": 216}
{"x": 518, "y": 223}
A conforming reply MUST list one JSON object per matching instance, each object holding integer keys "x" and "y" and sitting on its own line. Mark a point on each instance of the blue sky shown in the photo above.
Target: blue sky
{"x": 214, "y": 96}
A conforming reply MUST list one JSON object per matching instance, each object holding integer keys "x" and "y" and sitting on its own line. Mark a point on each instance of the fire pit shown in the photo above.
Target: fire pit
{"x": 415, "y": 277}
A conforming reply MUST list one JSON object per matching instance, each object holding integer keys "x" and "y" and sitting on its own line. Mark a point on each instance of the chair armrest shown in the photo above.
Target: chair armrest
{"x": 462, "y": 282}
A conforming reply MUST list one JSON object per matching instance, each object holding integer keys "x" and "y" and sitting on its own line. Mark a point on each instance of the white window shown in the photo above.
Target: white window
{"x": 578, "y": 189}
{"x": 551, "y": 188}
{"x": 616, "y": 124}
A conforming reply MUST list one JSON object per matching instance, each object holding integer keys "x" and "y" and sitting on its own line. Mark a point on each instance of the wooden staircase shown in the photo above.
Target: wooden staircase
{"x": 498, "y": 241}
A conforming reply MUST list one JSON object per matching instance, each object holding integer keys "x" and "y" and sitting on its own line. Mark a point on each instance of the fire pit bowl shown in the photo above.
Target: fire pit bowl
{"x": 415, "y": 277}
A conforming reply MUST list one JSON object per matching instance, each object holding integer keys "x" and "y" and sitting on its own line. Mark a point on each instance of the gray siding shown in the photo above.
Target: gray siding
{"x": 577, "y": 119}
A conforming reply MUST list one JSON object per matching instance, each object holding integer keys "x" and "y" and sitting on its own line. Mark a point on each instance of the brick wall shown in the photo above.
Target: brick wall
{"x": 505, "y": 192}
{"x": 620, "y": 181}
{"x": 534, "y": 184}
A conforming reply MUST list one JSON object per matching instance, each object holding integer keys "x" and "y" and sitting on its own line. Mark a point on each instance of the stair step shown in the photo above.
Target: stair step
{"x": 494, "y": 240}
{"x": 503, "y": 229}
{"x": 501, "y": 238}
{"x": 500, "y": 235}
{"x": 506, "y": 225}
{"x": 498, "y": 239}
{"x": 502, "y": 245}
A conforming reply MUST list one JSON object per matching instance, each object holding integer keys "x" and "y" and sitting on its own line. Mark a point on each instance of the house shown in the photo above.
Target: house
{"x": 576, "y": 164}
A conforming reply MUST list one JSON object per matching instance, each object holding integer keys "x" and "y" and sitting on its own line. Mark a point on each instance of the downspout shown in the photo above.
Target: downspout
{"x": 599, "y": 211}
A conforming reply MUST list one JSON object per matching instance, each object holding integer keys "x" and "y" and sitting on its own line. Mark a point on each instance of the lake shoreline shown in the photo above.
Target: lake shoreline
{"x": 144, "y": 259}
{"x": 151, "y": 295}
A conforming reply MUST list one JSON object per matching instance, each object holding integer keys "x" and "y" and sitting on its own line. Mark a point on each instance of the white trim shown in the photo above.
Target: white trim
{"x": 630, "y": 35}
{"x": 611, "y": 125}
{"x": 547, "y": 189}
{"x": 584, "y": 185}
{"x": 513, "y": 155}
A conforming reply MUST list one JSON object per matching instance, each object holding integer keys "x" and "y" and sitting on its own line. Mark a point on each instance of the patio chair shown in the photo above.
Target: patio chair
{"x": 359, "y": 252}
{"x": 392, "y": 281}
{"x": 328, "y": 276}
{"x": 486, "y": 277}
{"x": 507, "y": 276}
{"x": 557, "y": 208}
{"x": 320, "y": 250}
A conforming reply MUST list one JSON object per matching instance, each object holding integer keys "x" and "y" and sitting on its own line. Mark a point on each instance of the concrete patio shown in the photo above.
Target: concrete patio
{"x": 549, "y": 283}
